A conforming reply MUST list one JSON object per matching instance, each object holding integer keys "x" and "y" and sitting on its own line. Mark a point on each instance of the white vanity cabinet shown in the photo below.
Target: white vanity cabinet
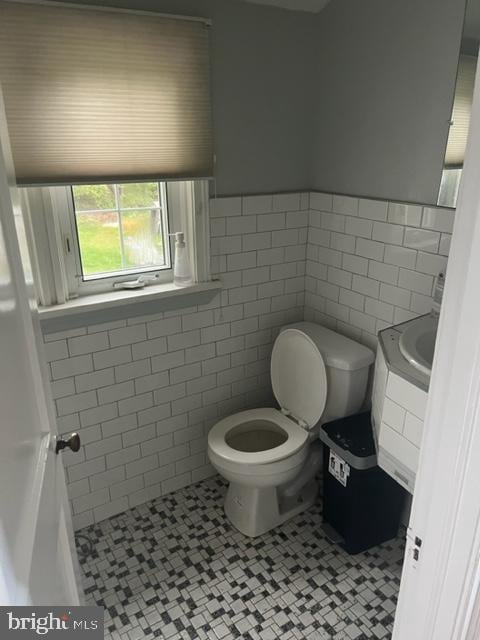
{"x": 398, "y": 412}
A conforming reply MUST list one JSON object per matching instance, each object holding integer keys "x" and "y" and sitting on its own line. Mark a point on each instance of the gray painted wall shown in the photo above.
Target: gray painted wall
{"x": 355, "y": 99}
{"x": 262, "y": 61}
{"x": 385, "y": 79}
{"x": 471, "y": 31}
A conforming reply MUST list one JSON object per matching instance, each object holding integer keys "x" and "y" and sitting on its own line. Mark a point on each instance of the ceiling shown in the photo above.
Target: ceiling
{"x": 313, "y": 6}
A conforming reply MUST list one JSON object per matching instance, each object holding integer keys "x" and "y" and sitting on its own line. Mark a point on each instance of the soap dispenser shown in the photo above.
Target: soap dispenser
{"x": 182, "y": 272}
{"x": 438, "y": 295}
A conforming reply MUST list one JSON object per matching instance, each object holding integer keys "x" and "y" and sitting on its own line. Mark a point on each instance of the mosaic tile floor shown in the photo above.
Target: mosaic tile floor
{"x": 174, "y": 568}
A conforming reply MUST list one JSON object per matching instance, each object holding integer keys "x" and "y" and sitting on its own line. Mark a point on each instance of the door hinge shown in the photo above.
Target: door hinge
{"x": 299, "y": 421}
{"x": 416, "y": 548}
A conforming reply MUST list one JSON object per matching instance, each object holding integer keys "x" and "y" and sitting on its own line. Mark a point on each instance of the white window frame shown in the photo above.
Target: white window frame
{"x": 79, "y": 285}
{"x": 449, "y": 187}
{"x": 70, "y": 206}
{"x": 53, "y": 241}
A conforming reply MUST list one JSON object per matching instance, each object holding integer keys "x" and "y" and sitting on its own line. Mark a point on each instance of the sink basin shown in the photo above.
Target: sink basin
{"x": 417, "y": 343}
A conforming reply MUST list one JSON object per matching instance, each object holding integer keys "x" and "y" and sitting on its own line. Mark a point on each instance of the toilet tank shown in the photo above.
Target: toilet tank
{"x": 347, "y": 366}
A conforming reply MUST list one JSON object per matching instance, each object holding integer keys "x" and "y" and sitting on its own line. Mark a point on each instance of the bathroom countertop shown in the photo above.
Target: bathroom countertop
{"x": 388, "y": 340}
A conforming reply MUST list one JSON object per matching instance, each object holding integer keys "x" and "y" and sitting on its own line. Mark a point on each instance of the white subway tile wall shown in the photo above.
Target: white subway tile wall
{"x": 372, "y": 263}
{"x": 144, "y": 392}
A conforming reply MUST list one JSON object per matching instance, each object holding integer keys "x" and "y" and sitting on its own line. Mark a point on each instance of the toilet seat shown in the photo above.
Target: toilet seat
{"x": 217, "y": 438}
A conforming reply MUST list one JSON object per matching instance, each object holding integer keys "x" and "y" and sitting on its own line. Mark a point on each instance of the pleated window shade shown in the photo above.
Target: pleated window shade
{"x": 462, "y": 107}
{"x": 98, "y": 95}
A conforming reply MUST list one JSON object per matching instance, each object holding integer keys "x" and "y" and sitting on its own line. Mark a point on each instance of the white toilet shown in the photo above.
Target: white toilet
{"x": 271, "y": 457}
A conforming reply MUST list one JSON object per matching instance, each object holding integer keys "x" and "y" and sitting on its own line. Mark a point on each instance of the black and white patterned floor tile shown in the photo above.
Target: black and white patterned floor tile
{"x": 176, "y": 569}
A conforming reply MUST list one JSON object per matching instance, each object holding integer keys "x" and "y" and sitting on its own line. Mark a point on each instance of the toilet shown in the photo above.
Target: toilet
{"x": 271, "y": 456}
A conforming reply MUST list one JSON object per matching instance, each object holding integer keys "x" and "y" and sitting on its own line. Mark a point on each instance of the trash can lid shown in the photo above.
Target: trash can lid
{"x": 351, "y": 436}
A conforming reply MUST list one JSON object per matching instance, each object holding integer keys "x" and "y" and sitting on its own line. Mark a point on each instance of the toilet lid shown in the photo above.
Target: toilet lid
{"x": 299, "y": 378}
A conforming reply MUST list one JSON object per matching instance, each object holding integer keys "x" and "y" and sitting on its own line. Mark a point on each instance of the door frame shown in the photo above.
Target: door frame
{"x": 440, "y": 589}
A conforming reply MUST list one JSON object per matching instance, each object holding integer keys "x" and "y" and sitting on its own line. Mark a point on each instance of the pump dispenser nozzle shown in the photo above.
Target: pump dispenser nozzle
{"x": 179, "y": 238}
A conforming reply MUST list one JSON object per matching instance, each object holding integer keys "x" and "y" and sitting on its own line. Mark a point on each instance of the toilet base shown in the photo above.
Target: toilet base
{"x": 254, "y": 511}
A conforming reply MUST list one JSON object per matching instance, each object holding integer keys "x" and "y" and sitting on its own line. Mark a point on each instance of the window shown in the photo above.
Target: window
{"x": 121, "y": 228}
{"x": 87, "y": 239}
{"x": 110, "y": 124}
{"x": 458, "y": 134}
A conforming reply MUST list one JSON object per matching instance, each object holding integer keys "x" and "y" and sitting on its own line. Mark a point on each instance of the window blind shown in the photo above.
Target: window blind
{"x": 97, "y": 95}
{"x": 462, "y": 107}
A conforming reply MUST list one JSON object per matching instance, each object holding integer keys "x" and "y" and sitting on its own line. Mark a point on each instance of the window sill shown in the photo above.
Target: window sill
{"x": 124, "y": 298}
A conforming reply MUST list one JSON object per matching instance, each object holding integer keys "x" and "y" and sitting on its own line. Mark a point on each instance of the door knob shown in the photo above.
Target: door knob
{"x": 73, "y": 443}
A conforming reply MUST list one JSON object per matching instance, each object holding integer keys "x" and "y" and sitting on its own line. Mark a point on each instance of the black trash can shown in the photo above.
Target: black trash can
{"x": 362, "y": 505}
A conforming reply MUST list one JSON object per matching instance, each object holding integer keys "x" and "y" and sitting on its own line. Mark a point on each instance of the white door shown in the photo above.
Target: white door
{"x": 37, "y": 561}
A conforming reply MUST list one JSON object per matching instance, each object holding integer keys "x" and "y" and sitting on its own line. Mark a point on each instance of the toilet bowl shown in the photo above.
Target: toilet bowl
{"x": 260, "y": 447}
{"x": 271, "y": 456}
